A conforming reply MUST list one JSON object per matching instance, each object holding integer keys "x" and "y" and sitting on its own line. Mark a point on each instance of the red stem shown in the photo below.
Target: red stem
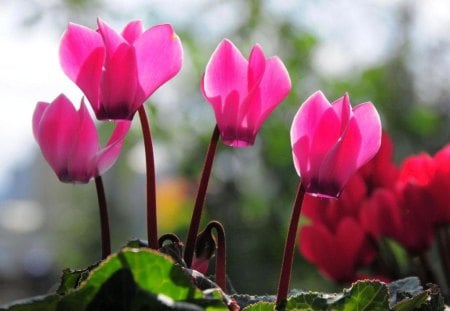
{"x": 104, "y": 223}
{"x": 200, "y": 199}
{"x": 286, "y": 267}
{"x": 152, "y": 229}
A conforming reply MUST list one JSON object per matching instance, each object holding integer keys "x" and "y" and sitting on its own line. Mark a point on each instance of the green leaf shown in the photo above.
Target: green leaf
{"x": 246, "y": 300}
{"x": 132, "y": 280}
{"x": 124, "y": 275}
{"x": 71, "y": 279}
{"x": 415, "y": 302}
{"x": 309, "y": 301}
{"x": 364, "y": 295}
{"x": 261, "y": 306}
{"x": 39, "y": 303}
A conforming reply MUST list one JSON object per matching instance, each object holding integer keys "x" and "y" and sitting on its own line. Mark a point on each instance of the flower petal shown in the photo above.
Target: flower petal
{"x": 107, "y": 156}
{"x": 159, "y": 57}
{"x": 112, "y": 40}
{"x": 225, "y": 72}
{"x": 119, "y": 85}
{"x": 342, "y": 108}
{"x": 39, "y": 111}
{"x": 256, "y": 67}
{"x": 302, "y": 130}
{"x": 368, "y": 118}
{"x": 308, "y": 116}
{"x": 275, "y": 85}
{"x": 317, "y": 127}
{"x": 132, "y": 31}
{"x": 417, "y": 170}
{"x": 337, "y": 253}
{"x": 84, "y": 147}
{"x": 81, "y": 56}
{"x": 57, "y": 127}
{"x": 340, "y": 162}
{"x": 352, "y": 151}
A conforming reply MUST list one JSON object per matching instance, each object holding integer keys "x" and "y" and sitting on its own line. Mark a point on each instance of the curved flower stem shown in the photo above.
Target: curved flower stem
{"x": 286, "y": 267}
{"x": 221, "y": 254}
{"x": 104, "y": 223}
{"x": 152, "y": 229}
{"x": 200, "y": 199}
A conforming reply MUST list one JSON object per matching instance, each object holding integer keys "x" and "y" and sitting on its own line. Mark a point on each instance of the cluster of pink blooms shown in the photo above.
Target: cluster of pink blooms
{"x": 406, "y": 203}
{"x": 117, "y": 73}
{"x": 330, "y": 141}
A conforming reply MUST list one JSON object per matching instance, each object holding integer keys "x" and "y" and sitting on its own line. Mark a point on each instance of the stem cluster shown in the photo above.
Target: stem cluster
{"x": 193, "y": 236}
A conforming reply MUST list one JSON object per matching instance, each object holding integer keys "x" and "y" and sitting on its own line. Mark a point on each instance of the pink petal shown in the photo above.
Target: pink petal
{"x": 107, "y": 156}
{"x": 112, "y": 40}
{"x": 159, "y": 57}
{"x": 225, "y": 72}
{"x": 228, "y": 122}
{"x": 85, "y": 146}
{"x": 57, "y": 128}
{"x": 302, "y": 129}
{"x": 301, "y": 158}
{"x": 275, "y": 85}
{"x": 132, "y": 31}
{"x": 369, "y": 121}
{"x": 317, "y": 126}
{"x": 256, "y": 66}
{"x": 40, "y": 109}
{"x": 250, "y": 106}
{"x": 324, "y": 138}
{"x": 359, "y": 144}
{"x": 81, "y": 56}
{"x": 340, "y": 162}
{"x": 308, "y": 116}
{"x": 342, "y": 108}
{"x": 119, "y": 85}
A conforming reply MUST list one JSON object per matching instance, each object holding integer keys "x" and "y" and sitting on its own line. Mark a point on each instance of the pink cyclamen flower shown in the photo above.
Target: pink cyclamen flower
{"x": 118, "y": 72}
{"x": 331, "y": 141}
{"x": 69, "y": 141}
{"x": 243, "y": 93}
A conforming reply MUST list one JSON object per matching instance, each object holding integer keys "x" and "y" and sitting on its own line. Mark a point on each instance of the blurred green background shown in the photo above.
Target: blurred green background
{"x": 393, "y": 53}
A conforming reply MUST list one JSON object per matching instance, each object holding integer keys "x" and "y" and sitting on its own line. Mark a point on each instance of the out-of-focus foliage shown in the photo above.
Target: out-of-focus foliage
{"x": 252, "y": 189}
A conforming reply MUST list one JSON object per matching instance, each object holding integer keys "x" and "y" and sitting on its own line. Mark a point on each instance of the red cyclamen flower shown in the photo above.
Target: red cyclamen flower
{"x": 331, "y": 141}
{"x": 69, "y": 142}
{"x": 118, "y": 72}
{"x": 337, "y": 253}
{"x": 440, "y": 185}
{"x": 243, "y": 93}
